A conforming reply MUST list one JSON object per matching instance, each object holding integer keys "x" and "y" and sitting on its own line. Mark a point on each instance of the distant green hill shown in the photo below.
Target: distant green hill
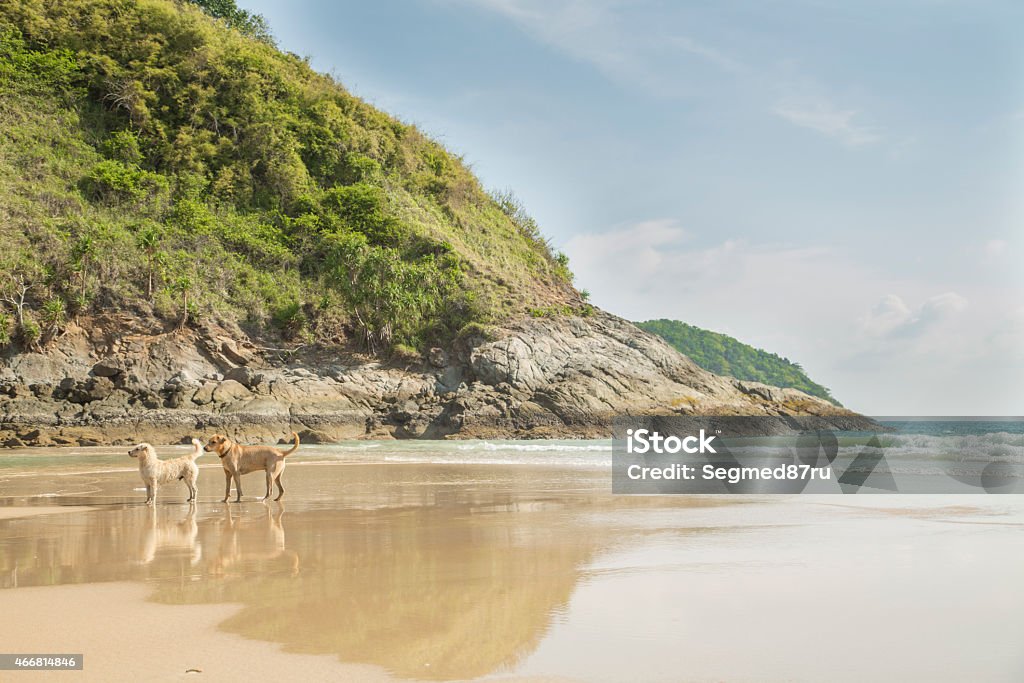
{"x": 724, "y": 355}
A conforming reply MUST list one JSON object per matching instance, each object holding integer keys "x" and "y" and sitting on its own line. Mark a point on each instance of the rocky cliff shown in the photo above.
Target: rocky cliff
{"x": 118, "y": 380}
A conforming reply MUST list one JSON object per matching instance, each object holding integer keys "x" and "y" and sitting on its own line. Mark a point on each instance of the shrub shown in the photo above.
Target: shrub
{"x": 291, "y": 320}
{"x": 363, "y": 208}
{"x": 552, "y": 311}
{"x": 361, "y": 168}
{"x": 562, "y": 267}
{"x": 406, "y": 354}
{"x": 29, "y": 333}
{"x": 54, "y": 315}
{"x": 78, "y": 303}
{"x": 123, "y": 146}
{"x": 112, "y": 180}
{"x": 478, "y": 330}
{"x": 5, "y": 329}
{"x": 36, "y": 71}
{"x": 513, "y": 207}
{"x": 392, "y": 300}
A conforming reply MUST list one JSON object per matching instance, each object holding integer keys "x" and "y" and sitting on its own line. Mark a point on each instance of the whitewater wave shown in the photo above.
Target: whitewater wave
{"x": 535, "y": 447}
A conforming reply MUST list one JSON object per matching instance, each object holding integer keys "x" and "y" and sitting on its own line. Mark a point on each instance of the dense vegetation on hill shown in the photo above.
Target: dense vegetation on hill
{"x": 164, "y": 157}
{"x": 724, "y": 355}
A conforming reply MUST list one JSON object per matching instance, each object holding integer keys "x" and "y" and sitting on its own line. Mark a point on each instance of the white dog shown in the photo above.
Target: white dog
{"x": 155, "y": 471}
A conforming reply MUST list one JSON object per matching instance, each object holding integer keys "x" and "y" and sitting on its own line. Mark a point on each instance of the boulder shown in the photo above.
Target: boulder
{"x": 229, "y": 391}
{"x": 309, "y": 436}
{"x": 42, "y": 390}
{"x": 92, "y": 389}
{"x": 204, "y": 395}
{"x": 108, "y": 367}
{"x": 247, "y": 377}
{"x": 761, "y": 391}
{"x": 236, "y": 353}
{"x": 405, "y": 412}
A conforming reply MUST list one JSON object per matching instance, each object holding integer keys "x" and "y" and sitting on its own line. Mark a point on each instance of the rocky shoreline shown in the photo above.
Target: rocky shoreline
{"x": 122, "y": 380}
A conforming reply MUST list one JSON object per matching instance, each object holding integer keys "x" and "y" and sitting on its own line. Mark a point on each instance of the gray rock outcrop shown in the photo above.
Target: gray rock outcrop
{"x": 560, "y": 377}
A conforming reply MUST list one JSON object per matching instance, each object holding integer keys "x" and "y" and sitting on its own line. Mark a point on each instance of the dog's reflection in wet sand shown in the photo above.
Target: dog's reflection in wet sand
{"x": 163, "y": 533}
{"x": 248, "y": 543}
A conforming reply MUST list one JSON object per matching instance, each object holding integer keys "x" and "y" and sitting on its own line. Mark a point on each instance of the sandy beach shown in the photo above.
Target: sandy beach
{"x": 382, "y": 567}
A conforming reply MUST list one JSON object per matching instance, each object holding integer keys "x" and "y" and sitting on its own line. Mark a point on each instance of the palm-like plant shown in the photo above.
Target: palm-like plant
{"x": 149, "y": 242}
{"x": 83, "y": 254}
{"x": 54, "y": 315}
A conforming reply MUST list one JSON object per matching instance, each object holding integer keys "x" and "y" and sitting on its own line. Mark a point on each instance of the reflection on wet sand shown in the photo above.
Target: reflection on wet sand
{"x": 252, "y": 544}
{"x": 166, "y": 534}
{"x": 411, "y": 591}
{"x": 437, "y": 580}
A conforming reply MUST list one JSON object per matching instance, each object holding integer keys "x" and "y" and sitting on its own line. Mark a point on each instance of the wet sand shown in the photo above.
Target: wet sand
{"x": 32, "y": 511}
{"x": 410, "y": 571}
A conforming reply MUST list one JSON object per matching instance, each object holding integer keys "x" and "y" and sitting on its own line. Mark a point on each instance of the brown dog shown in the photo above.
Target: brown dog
{"x": 238, "y": 460}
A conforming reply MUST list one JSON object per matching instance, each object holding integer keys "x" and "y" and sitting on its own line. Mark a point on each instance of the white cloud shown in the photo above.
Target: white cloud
{"x": 996, "y": 248}
{"x": 596, "y": 32}
{"x": 820, "y": 115}
{"x": 908, "y": 352}
{"x": 586, "y": 30}
{"x": 637, "y": 249}
{"x": 626, "y": 44}
{"x": 710, "y": 54}
{"x": 1007, "y": 339}
{"x": 889, "y": 314}
{"x": 891, "y": 318}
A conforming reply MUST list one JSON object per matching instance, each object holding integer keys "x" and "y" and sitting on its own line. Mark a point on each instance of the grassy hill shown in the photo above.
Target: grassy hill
{"x": 165, "y": 158}
{"x": 724, "y": 355}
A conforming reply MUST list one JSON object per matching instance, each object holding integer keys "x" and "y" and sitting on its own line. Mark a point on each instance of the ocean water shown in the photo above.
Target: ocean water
{"x": 935, "y": 455}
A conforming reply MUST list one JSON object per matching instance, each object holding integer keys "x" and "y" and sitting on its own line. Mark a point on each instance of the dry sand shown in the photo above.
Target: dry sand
{"x": 125, "y": 637}
{"x": 129, "y": 638}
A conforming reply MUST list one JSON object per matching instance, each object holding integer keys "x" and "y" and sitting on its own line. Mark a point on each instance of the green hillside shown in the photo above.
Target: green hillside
{"x": 724, "y": 355}
{"x": 166, "y": 158}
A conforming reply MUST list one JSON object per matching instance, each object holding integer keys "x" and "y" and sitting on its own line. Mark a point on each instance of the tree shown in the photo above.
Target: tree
{"x": 246, "y": 23}
{"x": 16, "y": 288}
{"x": 82, "y": 255}
{"x": 149, "y": 241}
{"x": 182, "y": 286}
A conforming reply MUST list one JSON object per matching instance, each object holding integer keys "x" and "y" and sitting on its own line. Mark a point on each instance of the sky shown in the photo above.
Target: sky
{"x": 836, "y": 182}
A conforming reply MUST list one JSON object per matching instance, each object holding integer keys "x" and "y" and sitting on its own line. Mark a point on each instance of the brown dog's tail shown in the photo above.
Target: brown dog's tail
{"x": 293, "y": 448}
